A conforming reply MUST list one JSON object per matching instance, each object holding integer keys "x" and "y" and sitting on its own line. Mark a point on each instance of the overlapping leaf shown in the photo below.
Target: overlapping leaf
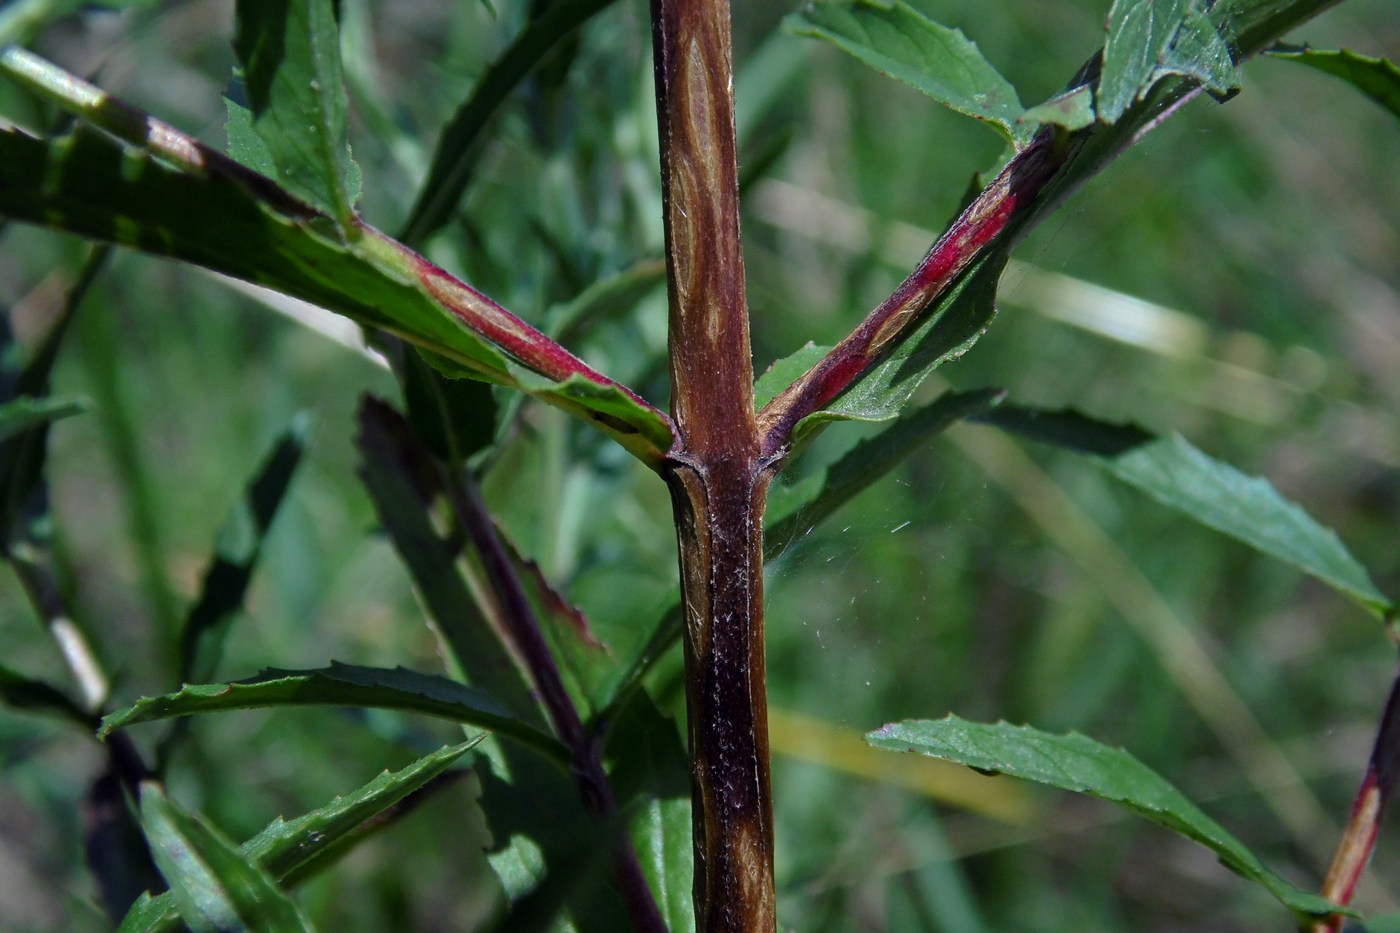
{"x": 290, "y": 52}
{"x": 215, "y": 886}
{"x": 897, "y": 40}
{"x": 289, "y": 847}
{"x": 1152, "y": 39}
{"x": 1213, "y": 493}
{"x": 342, "y": 685}
{"x": 1074, "y": 762}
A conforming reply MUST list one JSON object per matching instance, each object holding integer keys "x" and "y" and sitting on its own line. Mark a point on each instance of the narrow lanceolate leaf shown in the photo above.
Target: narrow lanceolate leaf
{"x": 290, "y": 52}
{"x": 1073, "y": 762}
{"x": 159, "y": 197}
{"x": 1152, "y": 39}
{"x": 897, "y": 40}
{"x": 1377, "y": 78}
{"x": 26, "y": 693}
{"x": 236, "y": 554}
{"x": 214, "y": 885}
{"x": 286, "y": 847}
{"x": 341, "y": 685}
{"x": 1177, "y": 474}
{"x": 805, "y": 502}
{"x": 24, "y": 413}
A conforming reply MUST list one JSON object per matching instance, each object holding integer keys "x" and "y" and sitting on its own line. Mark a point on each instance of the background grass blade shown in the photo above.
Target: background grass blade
{"x": 459, "y": 146}
{"x": 1074, "y": 762}
{"x": 341, "y": 685}
{"x": 1180, "y": 476}
{"x": 216, "y": 886}
{"x": 899, "y": 41}
{"x": 287, "y": 848}
{"x": 290, "y": 53}
{"x": 236, "y": 555}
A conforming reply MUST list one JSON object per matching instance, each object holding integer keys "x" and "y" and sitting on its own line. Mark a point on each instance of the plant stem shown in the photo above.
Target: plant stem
{"x": 717, "y": 476}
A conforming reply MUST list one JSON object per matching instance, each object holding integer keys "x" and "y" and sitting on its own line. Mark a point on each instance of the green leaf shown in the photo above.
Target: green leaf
{"x": 1072, "y": 109}
{"x": 214, "y": 885}
{"x": 1175, "y": 473}
{"x": 24, "y": 413}
{"x": 943, "y": 334}
{"x": 1389, "y": 923}
{"x": 402, "y": 482}
{"x": 88, "y": 184}
{"x": 287, "y": 847}
{"x": 341, "y": 685}
{"x": 26, "y": 693}
{"x": 290, "y": 52}
{"x": 1152, "y": 39}
{"x": 244, "y": 143}
{"x": 1377, "y": 78}
{"x": 1073, "y": 762}
{"x": 460, "y": 144}
{"x": 800, "y": 505}
{"x": 651, "y": 774}
{"x": 899, "y": 41}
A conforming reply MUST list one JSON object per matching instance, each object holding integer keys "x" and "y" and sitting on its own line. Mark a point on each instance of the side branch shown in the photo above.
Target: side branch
{"x": 1001, "y": 207}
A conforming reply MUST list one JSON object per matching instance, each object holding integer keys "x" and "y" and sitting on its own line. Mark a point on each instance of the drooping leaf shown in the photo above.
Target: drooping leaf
{"x": 26, "y": 412}
{"x": 290, "y": 53}
{"x": 1152, "y": 39}
{"x": 403, "y": 482}
{"x": 805, "y": 502}
{"x": 88, "y": 184}
{"x": 583, "y": 661}
{"x": 459, "y": 146}
{"x": 287, "y": 847}
{"x": 26, "y": 693}
{"x": 945, "y": 333}
{"x": 215, "y": 886}
{"x": 341, "y": 685}
{"x": 1076, "y": 763}
{"x": 1388, "y": 923}
{"x": 1377, "y": 78}
{"x": 899, "y": 41}
{"x": 1177, "y": 474}
{"x": 236, "y": 555}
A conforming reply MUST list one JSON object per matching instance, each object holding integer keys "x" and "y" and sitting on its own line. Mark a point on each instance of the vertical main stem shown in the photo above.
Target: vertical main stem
{"x": 717, "y": 477}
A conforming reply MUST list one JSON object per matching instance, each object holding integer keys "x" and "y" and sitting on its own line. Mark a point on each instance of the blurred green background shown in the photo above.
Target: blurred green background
{"x": 1236, "y": 278}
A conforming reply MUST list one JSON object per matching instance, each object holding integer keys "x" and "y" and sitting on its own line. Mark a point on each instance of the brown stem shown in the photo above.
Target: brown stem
{"x": 719, "y": 521}
{"x": 717, "y": 476}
